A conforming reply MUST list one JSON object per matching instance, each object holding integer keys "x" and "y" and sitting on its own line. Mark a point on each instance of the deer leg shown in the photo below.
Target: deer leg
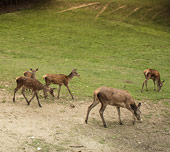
{"x": 118, "y": 111}
{"x": 47, "y": 82}
{"x": 147, "y": 78}
{"x": 69, "y": 91}
{"x": 15, "y": 90}
{"x": 23, "y": 93}
{"x": 146, "y": 84}
{"x": 31, "y": 98}
{"x": 103, "y": 107}
{"x": 59, "y": 91}
{"x": 142, "y": 86}
{"x": 133, "y": 117}
{"x": 38, "y": 100}
{"x": 95, "y": 102}
{"x": 154, "y": 85}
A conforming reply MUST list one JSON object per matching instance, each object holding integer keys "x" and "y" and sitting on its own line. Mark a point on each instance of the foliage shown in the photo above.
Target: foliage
{"x": 16, "y": 2}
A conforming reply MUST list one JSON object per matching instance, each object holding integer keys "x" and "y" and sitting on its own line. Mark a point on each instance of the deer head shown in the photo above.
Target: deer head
{"x": 50, "y": 90}
{"x": 74, "y": 72}
{"x": 161, "y": 85}
{"x": 136, "y": 110}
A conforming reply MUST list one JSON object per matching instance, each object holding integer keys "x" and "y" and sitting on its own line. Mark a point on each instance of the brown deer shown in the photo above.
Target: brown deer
{"x": 114, "y": 97}
{"x": 60, "y": 79}
{"x": 30, "y": 74}
{"x": 33, "y": 84}
{"x": 155, "y": 76}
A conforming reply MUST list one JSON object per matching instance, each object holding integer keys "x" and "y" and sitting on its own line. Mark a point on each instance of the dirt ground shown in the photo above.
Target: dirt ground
{"x": 57, "y": 126}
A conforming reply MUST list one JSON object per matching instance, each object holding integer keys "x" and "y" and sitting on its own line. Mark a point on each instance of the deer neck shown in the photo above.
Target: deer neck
{"x": 33, "y": 75}
{"x": 70, "y": 76}
{"x": 159, "y": 81}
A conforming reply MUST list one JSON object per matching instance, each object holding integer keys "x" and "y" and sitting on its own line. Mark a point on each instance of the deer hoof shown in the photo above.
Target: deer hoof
{"x": 105, "y": 126}
{"x": 121, "y": 123}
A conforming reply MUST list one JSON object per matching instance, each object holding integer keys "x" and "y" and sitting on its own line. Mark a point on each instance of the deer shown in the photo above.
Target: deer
{"x": 30, "y": 74}
{"x": 114, "y": 97}
{"x": 33, "y": 84}
{"x": 60, "y": 79}
{"x": 155, "y": 76}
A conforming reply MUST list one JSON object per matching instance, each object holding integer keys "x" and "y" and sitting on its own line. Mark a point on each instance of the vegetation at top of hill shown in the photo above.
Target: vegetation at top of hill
{"x": 125, "y": 10}
{"x": 110, "y": 42}
{"x": 7, "y": 6}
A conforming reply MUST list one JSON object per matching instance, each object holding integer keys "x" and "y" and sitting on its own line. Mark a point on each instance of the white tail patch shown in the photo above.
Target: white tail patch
{"x": 44, "y": 76}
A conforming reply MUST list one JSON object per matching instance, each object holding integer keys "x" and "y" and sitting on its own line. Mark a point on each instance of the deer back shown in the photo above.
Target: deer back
{"x": 152, "y": 74}
{"x": 115, "y": 97}
{"x": 30, "y": 83}
{"x": 56, "y": 78}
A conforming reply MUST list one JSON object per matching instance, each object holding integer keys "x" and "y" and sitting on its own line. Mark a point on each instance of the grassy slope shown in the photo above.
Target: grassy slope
{"x": 108, "y": 50}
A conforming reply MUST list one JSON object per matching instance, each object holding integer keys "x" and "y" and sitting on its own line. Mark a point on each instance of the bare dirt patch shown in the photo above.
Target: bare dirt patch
{"x": 59, "y": 127}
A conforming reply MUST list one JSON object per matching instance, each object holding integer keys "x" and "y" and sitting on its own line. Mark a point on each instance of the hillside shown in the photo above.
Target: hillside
{"x": 109, "y": 42}
{"x": 131, "y": 11}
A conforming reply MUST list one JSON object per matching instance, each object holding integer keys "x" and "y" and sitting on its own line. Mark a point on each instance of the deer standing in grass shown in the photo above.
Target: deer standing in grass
{"x": 60, "y": 79}
{"x": 33, "y": 84}
{"x": 155, "y": 76}
{"x": 114, "y": 97}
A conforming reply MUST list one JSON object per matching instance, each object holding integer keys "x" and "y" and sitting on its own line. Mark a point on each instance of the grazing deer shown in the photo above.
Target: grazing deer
{"x": 30, "y": 74}
{"x": 60, "y": 79}
{"x": 155, "y": 76}
{"x": 33, "y": 84}
{"x": 114, "y": 97}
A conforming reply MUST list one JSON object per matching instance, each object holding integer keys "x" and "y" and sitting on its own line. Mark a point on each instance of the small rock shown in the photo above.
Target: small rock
{"x": 72, "y": 106}
{"x": 38, "y": 148}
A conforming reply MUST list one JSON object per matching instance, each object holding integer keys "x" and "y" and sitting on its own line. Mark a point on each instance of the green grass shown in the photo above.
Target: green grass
{"x": 108, "y": 50}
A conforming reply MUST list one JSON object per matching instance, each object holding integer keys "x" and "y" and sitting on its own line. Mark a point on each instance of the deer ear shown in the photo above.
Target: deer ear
{"x": 37, "y": 69}
{"x": 30, "y": 69}
{"x": 163, "y": 81}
